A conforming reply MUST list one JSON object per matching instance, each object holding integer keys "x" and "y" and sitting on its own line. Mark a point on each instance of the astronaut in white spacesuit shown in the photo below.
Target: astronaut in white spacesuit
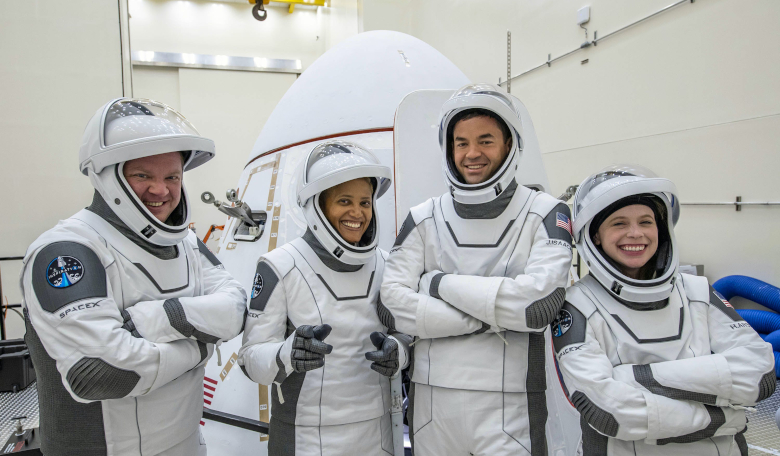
{"x": 656, "y": 361}
{"x": 123, "y": 304}
{"x": 313, "y": 328}
{"x": 477, "y": 275}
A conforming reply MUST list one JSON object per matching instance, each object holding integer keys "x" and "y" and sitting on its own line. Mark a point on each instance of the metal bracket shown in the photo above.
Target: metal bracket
{"x": 252, "y": 223}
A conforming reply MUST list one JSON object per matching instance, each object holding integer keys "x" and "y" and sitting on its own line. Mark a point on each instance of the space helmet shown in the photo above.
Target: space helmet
{"x": 608, "y": 190}
{"x": 329, "y": 164}
{"x": 491, "y": 98}
{"x": 128, "y": 128}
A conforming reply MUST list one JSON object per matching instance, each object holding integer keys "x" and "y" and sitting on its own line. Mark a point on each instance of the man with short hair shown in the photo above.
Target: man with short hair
{"x": 123, "y": 303}
{"x": 476, "y": 275}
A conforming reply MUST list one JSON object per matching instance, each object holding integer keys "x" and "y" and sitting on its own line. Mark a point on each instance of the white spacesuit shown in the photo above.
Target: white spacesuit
{"x": 477, "y": 274}
{"x": 311, "y": 317}
{"x": 123, "y": 310}
{"x": 663, "y": 366}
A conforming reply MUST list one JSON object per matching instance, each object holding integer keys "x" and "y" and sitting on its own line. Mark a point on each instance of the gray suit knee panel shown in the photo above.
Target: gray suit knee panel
{"x": 95, "y": 380}
{"x": 542, "y": 312}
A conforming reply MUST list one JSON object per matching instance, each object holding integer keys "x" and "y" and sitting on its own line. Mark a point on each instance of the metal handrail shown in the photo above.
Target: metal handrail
{"x": 596, "y": 40}
{"x": 235, "y": 420}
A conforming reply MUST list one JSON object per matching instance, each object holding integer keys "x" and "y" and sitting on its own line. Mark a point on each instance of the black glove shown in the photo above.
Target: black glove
{"x": 385, "y": 358}
{"x": 309, "y": 350}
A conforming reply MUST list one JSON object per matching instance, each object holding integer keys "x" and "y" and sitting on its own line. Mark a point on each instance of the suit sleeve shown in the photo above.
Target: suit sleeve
{"x": 82, "y": 329}
{"x": 216, "y": 315}
{"x": 528, "y": 302}
{"x": 265, "y": 352}
{"x": 740, "y": 370}
{"x": 621, "y": 410}
{"x": 416, "y": 312}
{"x": 750, "y": 360}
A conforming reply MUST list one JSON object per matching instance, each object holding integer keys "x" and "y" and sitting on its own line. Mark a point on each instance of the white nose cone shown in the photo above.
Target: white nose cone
{"x": 356, "y": 87}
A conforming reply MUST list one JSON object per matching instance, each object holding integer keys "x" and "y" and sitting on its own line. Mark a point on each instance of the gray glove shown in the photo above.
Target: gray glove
{"x": 385, "y": 358}
{"x": 309, "y": 350}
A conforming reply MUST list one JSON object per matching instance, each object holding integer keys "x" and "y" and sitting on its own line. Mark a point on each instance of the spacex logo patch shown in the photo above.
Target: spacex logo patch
{"x": 257, "y": 286}
{"x": 64, "y": 271}
{"x": 562, "y": 323}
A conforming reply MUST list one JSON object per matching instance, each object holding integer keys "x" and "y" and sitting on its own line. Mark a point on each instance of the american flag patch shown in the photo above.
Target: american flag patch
{"x": 561, "y": 221}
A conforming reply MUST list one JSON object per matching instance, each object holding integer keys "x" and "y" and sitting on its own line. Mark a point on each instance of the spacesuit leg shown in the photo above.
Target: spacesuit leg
{"x": 439, "y": 429}
{"x": 370, "y": 438}
{"x": 480, "y": 423}
{"x": 364, "y": 438}
{"x": 194, "y": 445}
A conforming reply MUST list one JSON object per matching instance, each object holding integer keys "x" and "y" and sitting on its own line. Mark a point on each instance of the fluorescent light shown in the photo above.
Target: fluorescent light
{"x": 221, "y": 59}
{"x": 188, "y": 58}
{"x": 146, "y": 56}
{"x": 261, "y": 62}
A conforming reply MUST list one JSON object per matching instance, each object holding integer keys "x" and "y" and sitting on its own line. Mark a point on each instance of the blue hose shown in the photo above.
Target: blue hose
{"x": 761, "y": 320}
{"x": 773, "y": 339}
{"x": 777, "y": 364}
{"x": 767, "y": 324}
{"x": 747, "y": 287}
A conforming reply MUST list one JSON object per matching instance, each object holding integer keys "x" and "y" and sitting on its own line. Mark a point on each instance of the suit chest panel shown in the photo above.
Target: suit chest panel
{"x": 155, "y": 279}
{"x": 141, "y": 276}
{"x": 484, "y": 247}
{"x": 344, "y": 300}
{"x": 641, "y": 337}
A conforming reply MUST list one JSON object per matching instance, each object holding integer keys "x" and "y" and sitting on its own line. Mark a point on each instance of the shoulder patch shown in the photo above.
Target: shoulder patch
{"x": 263, "y": 285}
{"x": 557, "y": 222}
{"x": 206, "y": 252}
{"x": 569, "y": 327}
{"x": 406, "y": 228}
{"x": 65, "y": 272}
{"x": 717, "y": 300}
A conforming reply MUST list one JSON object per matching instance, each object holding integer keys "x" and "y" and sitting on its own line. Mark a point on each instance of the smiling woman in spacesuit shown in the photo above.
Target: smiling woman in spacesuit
{"x": 329, "y": 398}
{"x": 655, "y": 361}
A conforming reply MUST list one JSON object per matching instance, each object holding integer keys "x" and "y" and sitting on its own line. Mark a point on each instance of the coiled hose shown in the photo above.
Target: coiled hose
{"x": 767, "y": 324}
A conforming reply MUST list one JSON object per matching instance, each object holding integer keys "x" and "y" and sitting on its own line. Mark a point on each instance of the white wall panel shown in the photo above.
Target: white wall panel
{"x": 60, "y": 62}
{"x": 157, "y": 83}
{"x": 691, "y": 93}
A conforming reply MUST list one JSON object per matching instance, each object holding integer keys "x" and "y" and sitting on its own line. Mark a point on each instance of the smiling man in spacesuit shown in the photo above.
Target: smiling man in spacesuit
{"x": 313, "y": 330}
{"x": 477, "y": 274}
{"x": 123, "y": 303}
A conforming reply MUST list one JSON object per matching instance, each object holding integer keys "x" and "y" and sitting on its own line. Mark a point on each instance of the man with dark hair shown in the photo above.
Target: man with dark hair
{"x": 477, "y": 274}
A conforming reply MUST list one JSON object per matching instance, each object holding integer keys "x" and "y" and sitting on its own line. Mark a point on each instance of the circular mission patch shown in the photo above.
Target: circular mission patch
{"x": 562, "y": 323}
{"x": 64, "y": 271}
{"x": 257, "y": 286}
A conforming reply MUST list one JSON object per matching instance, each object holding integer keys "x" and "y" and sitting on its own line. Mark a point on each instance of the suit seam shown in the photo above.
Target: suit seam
{"x": 503, "y": 420}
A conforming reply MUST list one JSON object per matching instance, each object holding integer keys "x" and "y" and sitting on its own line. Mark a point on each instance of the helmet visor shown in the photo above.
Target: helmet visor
{"x": 606, "y": 175}
{"x": 132, "y": 119}
{"x": 335, "y": 156}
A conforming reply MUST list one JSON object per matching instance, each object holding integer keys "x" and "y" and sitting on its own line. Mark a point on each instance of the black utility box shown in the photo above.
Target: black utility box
{"x": 16, "y": 369}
